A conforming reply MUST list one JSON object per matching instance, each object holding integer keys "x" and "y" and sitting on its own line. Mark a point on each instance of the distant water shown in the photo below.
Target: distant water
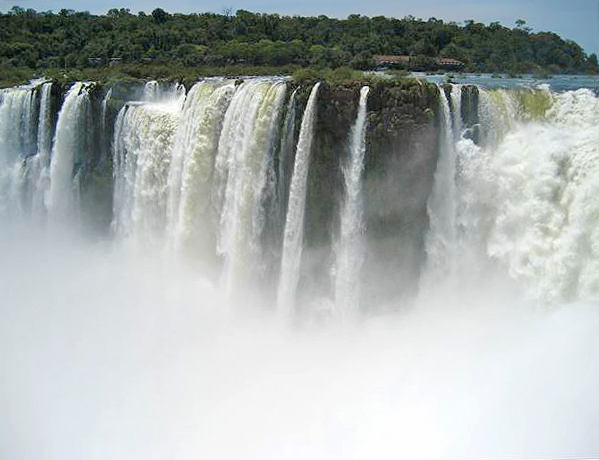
{"x": 486, "y": 80}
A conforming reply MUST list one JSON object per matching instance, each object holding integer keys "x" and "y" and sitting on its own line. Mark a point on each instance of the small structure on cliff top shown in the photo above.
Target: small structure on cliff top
{"x": 409, "y": 62}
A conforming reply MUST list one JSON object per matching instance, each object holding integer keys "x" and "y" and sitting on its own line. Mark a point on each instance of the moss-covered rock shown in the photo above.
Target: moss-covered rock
{"x": 401, "y": 154}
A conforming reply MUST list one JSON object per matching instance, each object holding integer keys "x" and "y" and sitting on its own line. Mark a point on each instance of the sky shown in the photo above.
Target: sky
{"x": 576, "y": 20}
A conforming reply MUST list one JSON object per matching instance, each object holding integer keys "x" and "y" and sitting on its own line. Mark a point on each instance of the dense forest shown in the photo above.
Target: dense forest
{"x": 69, "y": 39}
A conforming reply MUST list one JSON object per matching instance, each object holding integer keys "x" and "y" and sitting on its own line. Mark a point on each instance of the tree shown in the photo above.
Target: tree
{"x": 592, "y": 61}
{"x": 520, "y": 23}
{"x": 363, "y": 61}
{"x": 159, "y": 15}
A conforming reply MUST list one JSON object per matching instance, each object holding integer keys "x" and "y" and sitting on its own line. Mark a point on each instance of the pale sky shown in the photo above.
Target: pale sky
{"x": 577, "y": 20}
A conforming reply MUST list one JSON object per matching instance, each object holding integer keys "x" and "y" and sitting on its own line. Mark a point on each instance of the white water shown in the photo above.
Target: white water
{"x": 71, "y": 129}
{"x": 286, "y": 155}
{"x": 442, "y": 247}
{"x": 105, "y": 109}
{"x": 294, "y": 223}
{"x": 17, "y": 143}
{"x": 350, "y": 248}
{"x": 191, "y": 221}
{"x": 151, "y": 91}
{"x": 163, "y": 92}
{"x": 44, "y": 136}
{"x": 39, "y": 165}
{"x": 498, "y": 114}
{"x": 246, "y": 145}
{"x": 110, "y": 354}
{"x": 536, "y": 200}
{"x": 143, "y": 142}
{"x": 193, "y": 174}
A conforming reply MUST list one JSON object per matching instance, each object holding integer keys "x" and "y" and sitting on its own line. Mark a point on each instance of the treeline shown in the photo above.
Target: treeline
{"x": 72, "y": 39}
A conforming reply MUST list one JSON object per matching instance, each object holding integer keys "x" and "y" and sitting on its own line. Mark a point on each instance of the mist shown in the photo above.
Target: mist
{"x": 108, "y": 353}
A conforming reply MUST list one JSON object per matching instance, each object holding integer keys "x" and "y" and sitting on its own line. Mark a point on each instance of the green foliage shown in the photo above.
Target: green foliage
{"x": 76, "y": 40}
{"x": 307, "y": 76}
{"x": 363, "y": 61}
{"x": 11, "y": 76}
{"x": 340, "y": 75}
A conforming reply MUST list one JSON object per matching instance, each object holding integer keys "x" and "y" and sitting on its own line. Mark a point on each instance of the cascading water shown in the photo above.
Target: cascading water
{"x": 44, "y": 137}
{"x": 163, "y": 92}
{"x": 294, "y": 223}
{"x": 69, "y": 147}
{"x": 17, "y": 143}
{"x": 105, "y": 106}
{"x": 108, "y": 352}
{"x": 143, "y": 142}
{"x": 151, "y": 91}
{"x": 498, "y": 113}
{"x": 535, "y": 200}
{"x": 286, "y": 157}
{"x": 39, "y": 174}
{"x": 246, "y": 146}
{"x": 441, "y": 240}
{"x": 190, "y": 218}
{"x": 208, "y": 182}
{"x": 350, "y": 245}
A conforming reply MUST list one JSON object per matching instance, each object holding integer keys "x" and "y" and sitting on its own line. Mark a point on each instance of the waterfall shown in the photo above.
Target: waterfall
{"x": 143, "y": 141}
{"x": 246, "y": 145}
{"x": 350, "y": 245}
{"x": 456, "y": 109}
{"x": 459, "y": 228}
{"x": 498, "y": 113}
{"x": 539, "y": 199}
{"x": 151, "y": 91}
{"x": 104, "y": 114}
{"x": 190, "y": 218}
{"x": 39, "y": 174}
{"x": 442, "y": 207}
{"x": 286, "y": 157}
{"x": 294, "y": 223}
{"x": 104, "y": 107}
{"x": 217, "y": 176}
{"x": 17, "y": 143}
{"x": 526, "y": 206}
{"x": 69, "y": 145}
{"x": 44, "y": 139}
{"x": 157, "y": 92}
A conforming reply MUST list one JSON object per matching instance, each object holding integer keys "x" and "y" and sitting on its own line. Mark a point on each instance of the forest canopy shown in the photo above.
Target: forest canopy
{"x": 70, "y": 39}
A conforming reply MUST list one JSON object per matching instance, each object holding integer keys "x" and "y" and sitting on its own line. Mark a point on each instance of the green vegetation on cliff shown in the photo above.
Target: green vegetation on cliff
{"x": 174, "y": 42}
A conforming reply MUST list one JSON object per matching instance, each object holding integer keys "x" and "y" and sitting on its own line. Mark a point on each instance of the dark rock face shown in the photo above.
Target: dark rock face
{"x": 401, "y": 152}
{"x": 401, "y": 149}
{"x": 336, "y": 113}
{"x": 469, "y": 111}
{"x": 96, "y": 180}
